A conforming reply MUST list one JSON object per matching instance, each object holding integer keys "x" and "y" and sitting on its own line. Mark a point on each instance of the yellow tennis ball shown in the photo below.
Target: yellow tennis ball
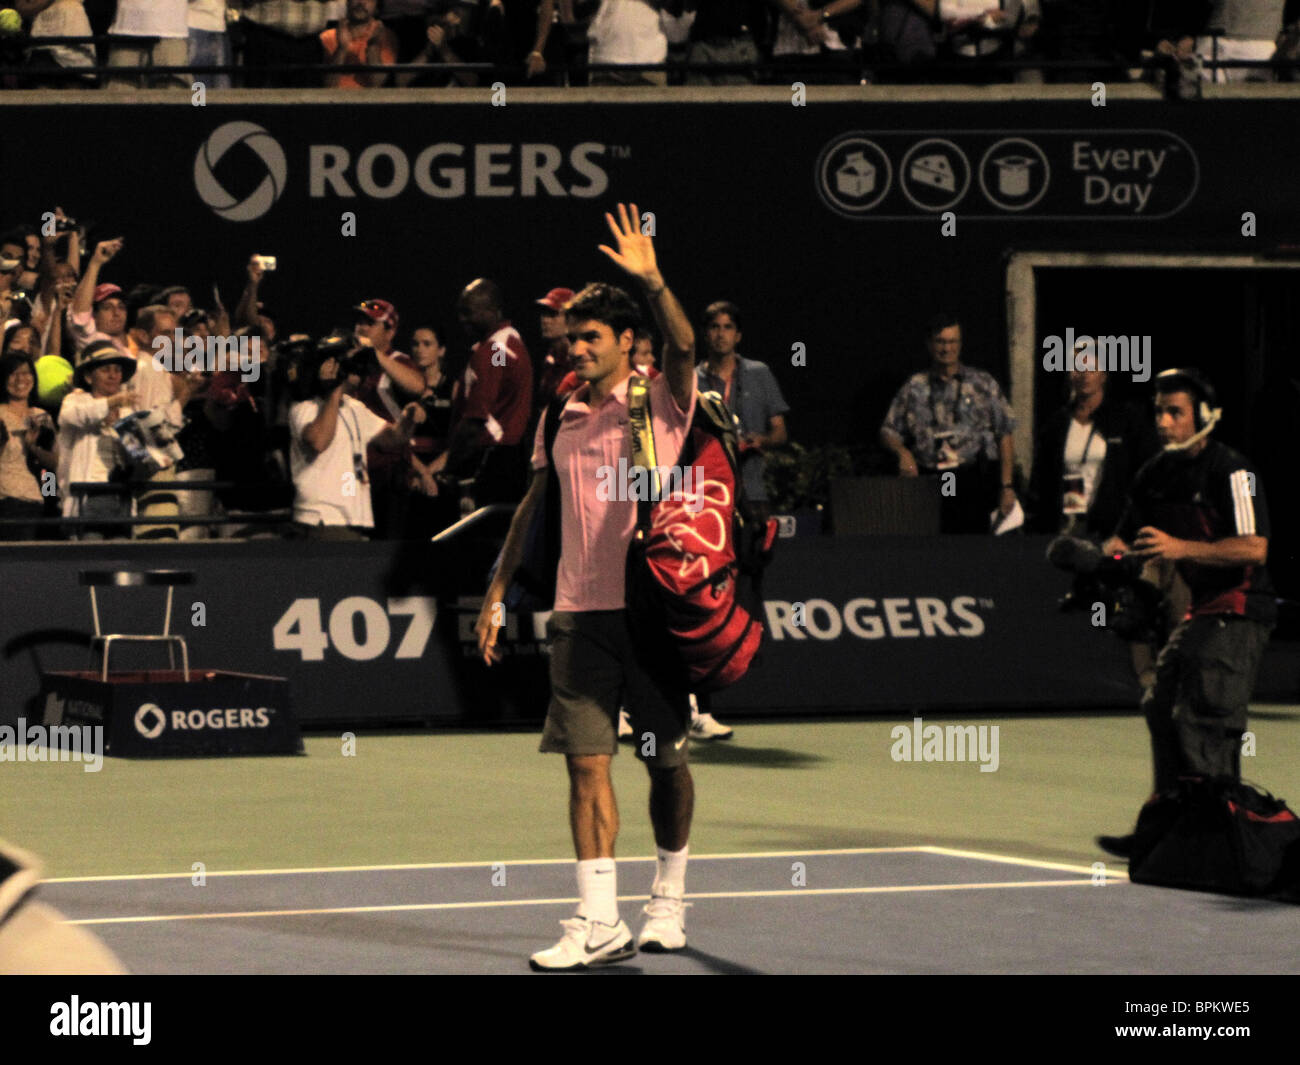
{"x": 53, "y": 380}
{"x": 10, "y": 22}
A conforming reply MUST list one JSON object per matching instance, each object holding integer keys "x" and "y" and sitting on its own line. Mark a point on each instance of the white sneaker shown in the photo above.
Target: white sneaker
{"x": 665, "y": 926}
{"x": 707, "y": 727}
{"x": 585, "y": 943}
{"x": 624, "y": 726}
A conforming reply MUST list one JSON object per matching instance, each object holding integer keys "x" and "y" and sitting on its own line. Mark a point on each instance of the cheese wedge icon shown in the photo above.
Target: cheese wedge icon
{"x": 935, "y": 171}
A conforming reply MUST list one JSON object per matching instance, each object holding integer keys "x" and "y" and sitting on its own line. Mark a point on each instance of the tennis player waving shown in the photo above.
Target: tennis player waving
{"x": 595, "y": 664}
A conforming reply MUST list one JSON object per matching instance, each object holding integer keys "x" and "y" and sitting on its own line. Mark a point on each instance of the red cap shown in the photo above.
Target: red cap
{"x": 378, "y": 311}
{"x": 556, "y": 298}
{"x": 104, "y": 291}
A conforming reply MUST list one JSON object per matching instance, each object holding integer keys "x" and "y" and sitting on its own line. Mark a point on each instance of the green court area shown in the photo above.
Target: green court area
{"x": 479, "y": 796}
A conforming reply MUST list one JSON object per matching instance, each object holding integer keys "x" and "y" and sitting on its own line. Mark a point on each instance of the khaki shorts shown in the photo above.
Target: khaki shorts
{"x": 595, "y": 670}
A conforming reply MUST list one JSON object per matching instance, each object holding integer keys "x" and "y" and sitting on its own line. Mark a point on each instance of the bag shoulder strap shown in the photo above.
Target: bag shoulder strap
{"x": 643, "y": 444}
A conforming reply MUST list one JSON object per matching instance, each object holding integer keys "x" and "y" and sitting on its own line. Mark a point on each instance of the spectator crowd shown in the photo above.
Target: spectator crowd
{"x": 121, "y": 404}
{"x": 319, "y": 43}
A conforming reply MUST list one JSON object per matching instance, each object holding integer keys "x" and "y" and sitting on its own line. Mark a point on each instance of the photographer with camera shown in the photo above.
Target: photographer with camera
{"x": 330, "y": 431}
{"x": 1200, "y": 506}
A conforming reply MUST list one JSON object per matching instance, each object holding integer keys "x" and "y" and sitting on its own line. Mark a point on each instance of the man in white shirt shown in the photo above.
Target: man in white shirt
{"x": 327, "y": 454}
{"x": 628, "y": 31}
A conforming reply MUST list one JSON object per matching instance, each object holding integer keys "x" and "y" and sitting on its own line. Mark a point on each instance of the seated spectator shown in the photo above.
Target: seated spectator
{"x": 89, "y": 449}
{"x": 907, "y": 32}
{"x": 208, "y": 44}
{"x": 57, "y": 18}
{"x": 627, "y": 32}
{"x": 26, "y": 447}
{"x": 726, "y": 32}
{"x": 407, "y": 20}
{"x": 995, "y": 33}
{"x": 1082, "y": 30}
{"x": 282, "y": 33}
{"x": 812, "y": 28}
{"x": 1251, "y": 29}
{"x": 149, "y": 33}
{"x": 455, "y": 34}
{"x": 359, "y": 38}
{"x": 538, "y": 31}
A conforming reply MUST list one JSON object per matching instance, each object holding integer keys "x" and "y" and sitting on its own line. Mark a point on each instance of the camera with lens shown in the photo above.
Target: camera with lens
{"x": 1134, "y": 606}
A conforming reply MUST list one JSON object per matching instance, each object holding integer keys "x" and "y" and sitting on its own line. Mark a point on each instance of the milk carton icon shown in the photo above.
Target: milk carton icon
{"x": 856, "y": 176}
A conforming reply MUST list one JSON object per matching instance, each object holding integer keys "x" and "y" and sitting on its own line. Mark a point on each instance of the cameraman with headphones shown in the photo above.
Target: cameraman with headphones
{"x": 329, "y": 432}
{"x": 1200, "y": 505}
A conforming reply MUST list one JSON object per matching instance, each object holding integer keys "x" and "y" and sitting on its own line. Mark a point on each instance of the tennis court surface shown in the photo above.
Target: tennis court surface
{"x": 813, "y": 852}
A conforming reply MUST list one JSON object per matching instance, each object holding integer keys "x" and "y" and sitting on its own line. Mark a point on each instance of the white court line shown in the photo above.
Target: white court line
{"x": 464, "y": 865}
{"x": 786, "y": 892}
{"x": 985, "y": 856}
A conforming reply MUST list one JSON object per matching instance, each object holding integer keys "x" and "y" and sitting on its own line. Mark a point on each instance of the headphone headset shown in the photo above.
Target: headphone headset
{"x": 1206, "y": 412}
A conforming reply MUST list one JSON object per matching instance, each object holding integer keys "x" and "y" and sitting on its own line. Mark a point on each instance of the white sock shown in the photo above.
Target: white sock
{"x": 598, "y": 890}
{"x": 671, "y": 878}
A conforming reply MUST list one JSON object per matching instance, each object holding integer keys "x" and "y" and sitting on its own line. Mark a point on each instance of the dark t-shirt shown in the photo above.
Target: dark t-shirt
{"x": 1213, "y": 496}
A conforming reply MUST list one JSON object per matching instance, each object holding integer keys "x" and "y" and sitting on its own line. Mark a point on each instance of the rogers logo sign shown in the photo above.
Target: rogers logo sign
{"x": 872, "y": 619}
{"x": 449, "y": 171}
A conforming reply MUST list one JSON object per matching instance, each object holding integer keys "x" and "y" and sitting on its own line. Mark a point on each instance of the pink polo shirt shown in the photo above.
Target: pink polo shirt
{"x": 594, "y": 534}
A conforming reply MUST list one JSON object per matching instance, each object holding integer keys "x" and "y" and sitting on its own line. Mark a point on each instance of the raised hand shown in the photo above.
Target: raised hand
{"x": 636, "y": 251}
{"x": 105, "y": 250}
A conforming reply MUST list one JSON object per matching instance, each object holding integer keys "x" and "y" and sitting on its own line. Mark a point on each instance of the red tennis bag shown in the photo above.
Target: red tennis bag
{"x": 693, "y": 541}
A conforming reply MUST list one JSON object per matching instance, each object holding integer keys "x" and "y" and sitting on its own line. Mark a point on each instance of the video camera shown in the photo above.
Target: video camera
{"x": 1134, "y": 606}
{"x": 299, "y": 361}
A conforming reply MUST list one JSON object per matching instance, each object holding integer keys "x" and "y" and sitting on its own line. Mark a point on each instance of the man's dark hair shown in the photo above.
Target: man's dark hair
{"x": 607, "y": 304}
{"x": 169, "y": 291}
{"x": 14, "y": 236}
{"x": 939, "y": 322}
{"x": 640, "y": 335}
{"x": 722, "y": 307}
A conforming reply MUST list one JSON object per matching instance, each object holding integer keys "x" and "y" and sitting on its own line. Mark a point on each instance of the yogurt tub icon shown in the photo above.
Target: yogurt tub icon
{"x": 1013, "y": 174}
{"x": 855, "y": 176}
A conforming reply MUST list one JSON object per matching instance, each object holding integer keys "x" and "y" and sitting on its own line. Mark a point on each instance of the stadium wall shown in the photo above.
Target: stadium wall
{"x": 382, "y": 633}
{"x": 823, "y": 221}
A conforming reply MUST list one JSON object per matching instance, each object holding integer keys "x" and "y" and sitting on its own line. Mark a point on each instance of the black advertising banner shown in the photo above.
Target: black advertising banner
{"x": 370, "y": 634}
{"x": 827, "y": 223}
{"x": 160, "y": 713}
